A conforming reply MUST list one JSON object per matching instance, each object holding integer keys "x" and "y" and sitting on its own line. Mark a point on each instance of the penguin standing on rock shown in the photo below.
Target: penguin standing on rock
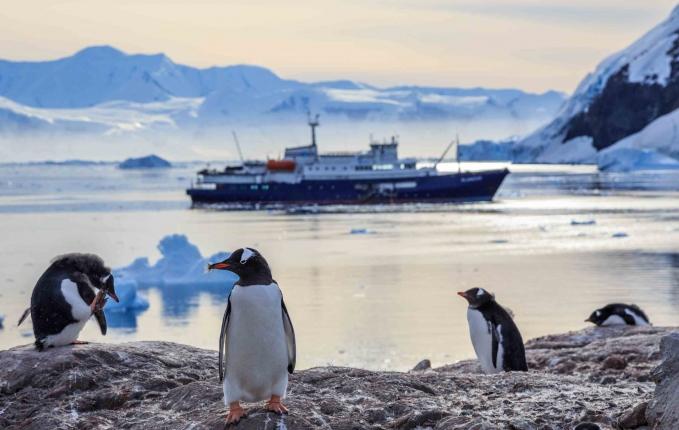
{"x": 72, "y": 289}
{"x": 496, "y": 339}
{"x": 257, "y": 342}
{"x": 618, "y": 314}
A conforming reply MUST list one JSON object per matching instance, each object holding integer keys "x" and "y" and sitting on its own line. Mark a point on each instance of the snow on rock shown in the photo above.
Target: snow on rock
{"x": 181, "y": 263}
{"x": 147, "y": 162}
{"x": 626, "y": 92}
{"x": 578, "y": 150}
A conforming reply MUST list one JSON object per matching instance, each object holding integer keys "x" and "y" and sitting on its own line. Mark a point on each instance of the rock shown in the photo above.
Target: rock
{"x": 663, "y": 411}
{"x": 614, "y": 362}
{"x": 634, "y": 418}
{"x": 422, "y": 365}
{"x": 168, "y": 385}
{"x": 148, "y": 162}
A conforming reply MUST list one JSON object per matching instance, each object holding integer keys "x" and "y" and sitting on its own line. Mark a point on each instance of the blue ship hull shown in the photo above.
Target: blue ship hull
{"x": 465, "y": 186}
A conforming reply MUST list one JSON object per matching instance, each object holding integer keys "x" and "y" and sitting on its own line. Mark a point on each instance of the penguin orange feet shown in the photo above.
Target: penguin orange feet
{"x": 274, "y": 405}
{"x": 236, "y": 412}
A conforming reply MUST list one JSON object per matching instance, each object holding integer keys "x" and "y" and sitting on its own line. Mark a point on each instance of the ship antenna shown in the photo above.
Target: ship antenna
{"x": 313, "y": 123}
{"x": 240, "y": 153}
{"x": 450, "y": 145}
{"x": 457, "y": 153}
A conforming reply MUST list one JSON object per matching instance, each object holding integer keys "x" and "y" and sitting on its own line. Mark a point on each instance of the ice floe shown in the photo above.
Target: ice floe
{"x": 180, "y": 263}
{"x": 130, "y": 299}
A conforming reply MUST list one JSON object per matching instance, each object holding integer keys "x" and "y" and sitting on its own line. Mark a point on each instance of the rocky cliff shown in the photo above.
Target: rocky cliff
{"x": 600, "y": 376}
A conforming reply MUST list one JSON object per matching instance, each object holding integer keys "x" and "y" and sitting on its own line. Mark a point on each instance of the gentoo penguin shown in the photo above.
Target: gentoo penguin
{"x": 496, "y": 339}
{"x": 618, "y": 314}
{"x": 72, "y": 289}
{"x": 257, "y": 342}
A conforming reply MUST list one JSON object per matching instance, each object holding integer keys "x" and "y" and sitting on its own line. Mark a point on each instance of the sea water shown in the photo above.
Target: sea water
{"x": 557, "y": 243}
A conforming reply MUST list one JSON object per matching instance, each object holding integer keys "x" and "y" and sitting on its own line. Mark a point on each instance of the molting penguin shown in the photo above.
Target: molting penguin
{"x": 618, "y": 314}
{"x": 496, "y": 339}
{"x": 257, "y": 343}
{"x": 72, "y": 289}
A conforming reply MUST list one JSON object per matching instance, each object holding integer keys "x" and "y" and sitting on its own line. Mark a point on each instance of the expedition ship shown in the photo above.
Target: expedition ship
{"x": 305, "y": 176}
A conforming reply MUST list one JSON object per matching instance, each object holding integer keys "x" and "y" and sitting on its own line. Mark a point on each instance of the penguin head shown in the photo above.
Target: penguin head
{"x": 90, "y": 268}
{"x": 597, "y": 317}
{"x": 250, "y": 266}
{"x": 476, "y": 297}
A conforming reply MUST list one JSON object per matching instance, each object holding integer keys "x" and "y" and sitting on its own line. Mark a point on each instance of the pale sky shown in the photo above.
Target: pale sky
{"x": 529, "y": 44}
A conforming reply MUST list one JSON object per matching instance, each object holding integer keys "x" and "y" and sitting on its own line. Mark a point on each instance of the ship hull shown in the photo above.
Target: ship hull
{"x": 462, "y": 187}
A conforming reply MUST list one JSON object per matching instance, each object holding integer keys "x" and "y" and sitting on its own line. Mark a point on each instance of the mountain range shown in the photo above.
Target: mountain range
{"x": 101, "y": 89}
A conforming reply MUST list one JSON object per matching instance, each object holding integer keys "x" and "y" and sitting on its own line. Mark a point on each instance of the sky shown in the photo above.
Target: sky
{"x": 528, "y": 44}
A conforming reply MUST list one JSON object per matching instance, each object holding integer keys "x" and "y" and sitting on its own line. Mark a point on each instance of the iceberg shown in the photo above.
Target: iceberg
{"x": 130, "y": 299}
{"x": 2, "y": 319}
{"x": 632, "y": 159}
{"x": 148, "y": 162}
{"x": 181, "y": 263}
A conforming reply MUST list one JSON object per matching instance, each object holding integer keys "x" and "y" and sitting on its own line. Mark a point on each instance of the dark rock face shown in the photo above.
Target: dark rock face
{"x": 624, "y": 108}
{"x": 171, "y": 386}
{"x": 663, "y": 412}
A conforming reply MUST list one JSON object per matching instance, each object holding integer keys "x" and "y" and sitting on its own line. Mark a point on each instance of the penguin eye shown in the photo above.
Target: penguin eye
{"x": 243, "y": 261}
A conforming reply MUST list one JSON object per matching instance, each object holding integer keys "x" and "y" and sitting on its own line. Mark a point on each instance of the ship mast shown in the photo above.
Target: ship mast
{"x": 313, "y": 123}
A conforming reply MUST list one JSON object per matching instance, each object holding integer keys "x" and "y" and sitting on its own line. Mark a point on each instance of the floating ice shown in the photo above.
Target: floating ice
{"x": 130, "y": 299}
{"x": 583, "y": 222}
{"x": 181, "y": 263}
{"x": 619, "y": 234}
{"x": 623, "y": 159}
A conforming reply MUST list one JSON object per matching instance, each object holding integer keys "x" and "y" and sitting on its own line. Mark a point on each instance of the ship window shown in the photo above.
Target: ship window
{"x": 253, "y": 187}
{"x": 265, "y": 187}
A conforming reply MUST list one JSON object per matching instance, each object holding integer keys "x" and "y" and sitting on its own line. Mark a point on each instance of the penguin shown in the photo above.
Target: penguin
{"x": 618, "y": 314}
{"x": 496, "y": 339}
{"x": 257, "y": 346}
{"x": 72, "y": 289}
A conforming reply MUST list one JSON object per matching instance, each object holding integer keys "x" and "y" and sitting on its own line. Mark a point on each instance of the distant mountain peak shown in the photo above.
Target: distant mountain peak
{"x": 100, "y": 51}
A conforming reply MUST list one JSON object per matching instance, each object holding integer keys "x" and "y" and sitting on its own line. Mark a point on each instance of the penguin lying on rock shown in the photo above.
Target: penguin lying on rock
{"x": 496, "y": 339}
{"x": 72, "y": 289}
{"x": 257, "y": 342}
{"x": 618, "y": 314}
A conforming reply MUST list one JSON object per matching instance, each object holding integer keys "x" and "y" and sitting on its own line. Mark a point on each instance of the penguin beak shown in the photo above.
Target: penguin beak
{"x": 218, "y": 266}
{"x": 113, "y": 295}
{"x": 462, "y": 294}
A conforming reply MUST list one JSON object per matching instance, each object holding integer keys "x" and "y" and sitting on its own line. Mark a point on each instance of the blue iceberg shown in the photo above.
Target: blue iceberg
{"x": 181, "y": 263}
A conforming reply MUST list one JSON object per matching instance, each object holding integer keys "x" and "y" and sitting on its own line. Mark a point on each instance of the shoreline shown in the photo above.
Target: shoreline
{"x": 599, "y": 375}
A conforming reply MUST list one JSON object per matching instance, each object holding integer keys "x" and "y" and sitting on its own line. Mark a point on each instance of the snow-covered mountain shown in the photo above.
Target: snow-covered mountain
{"x": 97, "y": 83}
{"x": 629, "y": 101}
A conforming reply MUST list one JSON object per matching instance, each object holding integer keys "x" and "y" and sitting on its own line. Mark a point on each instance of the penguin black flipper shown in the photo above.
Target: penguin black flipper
{"x": 222, "y": 340}
{"x": 289, "y": 338}
{"x": 495, "y": 340}
{"x": 514, "y": 358}
{"x": 24, "y": 316}
{"x": 101, "y": 320}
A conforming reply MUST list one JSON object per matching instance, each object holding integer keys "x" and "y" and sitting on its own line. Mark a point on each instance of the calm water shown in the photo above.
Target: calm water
{"x": 382, "y": 300}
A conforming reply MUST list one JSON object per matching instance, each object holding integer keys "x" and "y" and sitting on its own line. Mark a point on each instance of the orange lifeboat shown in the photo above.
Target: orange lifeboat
{"x": 280, "y": 165}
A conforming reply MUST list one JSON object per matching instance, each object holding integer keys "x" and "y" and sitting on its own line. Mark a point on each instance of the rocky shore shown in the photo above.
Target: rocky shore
{"x": 614, "y": 377}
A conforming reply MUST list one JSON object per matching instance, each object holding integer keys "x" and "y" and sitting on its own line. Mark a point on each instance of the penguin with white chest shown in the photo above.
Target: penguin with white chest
{"x": 618, "y": 314}
{"x": 495, "y": 337}
{"x": 257, "y": 343}
{"x": 72, "y": 289}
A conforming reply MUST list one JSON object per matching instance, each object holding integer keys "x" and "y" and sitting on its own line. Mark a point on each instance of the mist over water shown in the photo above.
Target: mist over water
{"x": 381, "y": 300}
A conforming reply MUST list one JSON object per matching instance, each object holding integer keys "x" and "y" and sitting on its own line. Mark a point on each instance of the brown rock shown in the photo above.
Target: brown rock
{"x": 614, "y": 362}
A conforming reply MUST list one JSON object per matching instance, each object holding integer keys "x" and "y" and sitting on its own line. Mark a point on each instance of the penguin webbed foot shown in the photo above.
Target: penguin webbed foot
{"x": 275, "y": 405}
{"x": 236, "y": 412}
